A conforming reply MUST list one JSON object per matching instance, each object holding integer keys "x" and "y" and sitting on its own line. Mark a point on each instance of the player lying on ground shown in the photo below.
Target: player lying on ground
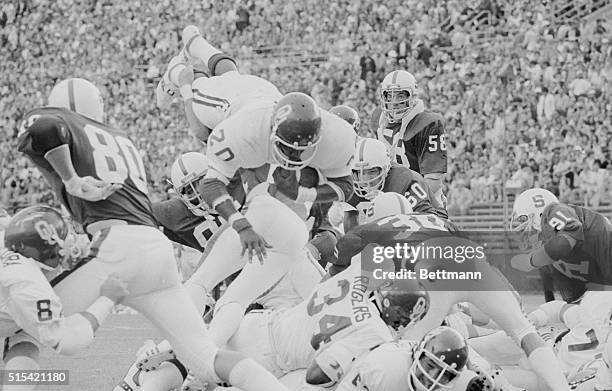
{"x": 579, "y": 334}
{"x": 31, "y": 312}
{"x": 98, "y": 175}
{"x": 575, "y": 242}
{"x": 492, "y": 294}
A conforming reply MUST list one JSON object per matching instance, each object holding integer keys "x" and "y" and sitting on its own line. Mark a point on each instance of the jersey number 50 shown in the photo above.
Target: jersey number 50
{"x": 116, "y": 158}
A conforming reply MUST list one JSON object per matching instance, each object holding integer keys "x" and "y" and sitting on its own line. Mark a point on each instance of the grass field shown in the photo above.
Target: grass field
{"x": 101, "y": 366}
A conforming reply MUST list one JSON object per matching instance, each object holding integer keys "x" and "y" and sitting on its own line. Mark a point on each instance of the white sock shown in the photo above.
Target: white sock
{"x": 166, "y": 377}
{"x": 201, "y": 49}
{"x": 226, "y": 322}
{"x": 20, "y": 363}
{"x": 546, "y": 365}
{"x": 248, "y": 375}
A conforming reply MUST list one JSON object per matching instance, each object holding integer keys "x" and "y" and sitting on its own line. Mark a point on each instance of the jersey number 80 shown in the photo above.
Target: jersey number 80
{"x": 116, "y": 158}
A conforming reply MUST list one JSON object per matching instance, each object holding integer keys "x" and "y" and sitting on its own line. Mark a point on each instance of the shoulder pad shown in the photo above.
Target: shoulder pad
{"x": 422, "y": 120}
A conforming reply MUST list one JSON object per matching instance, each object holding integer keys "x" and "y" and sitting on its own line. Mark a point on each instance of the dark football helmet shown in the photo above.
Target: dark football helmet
{"x": 400, "y": 307}
{"x": 296, "y": 126}
{"x": 41, "y": 233}
{"x": 348, "y": 114}
{"x": 438, "y": 359}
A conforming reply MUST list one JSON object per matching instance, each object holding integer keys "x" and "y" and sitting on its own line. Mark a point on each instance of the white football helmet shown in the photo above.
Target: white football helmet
{"x": 398, "y": 95}
{"x": 371, "y": 166}
{"x": 528, "y": 208}
{"x": 78, "y": 95}
{"x": 185, "y": 174}
{"x": 387, "y": 204}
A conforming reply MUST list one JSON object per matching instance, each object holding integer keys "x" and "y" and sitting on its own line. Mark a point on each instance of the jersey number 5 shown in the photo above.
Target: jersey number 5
{"x": 116, "y": 158}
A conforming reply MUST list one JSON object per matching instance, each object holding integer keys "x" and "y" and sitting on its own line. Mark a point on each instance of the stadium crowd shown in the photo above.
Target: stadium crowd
{"x": 547, "y": 85}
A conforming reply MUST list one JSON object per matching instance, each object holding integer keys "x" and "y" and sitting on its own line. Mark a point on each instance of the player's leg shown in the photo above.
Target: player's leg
{"x": 498, "y": 348}
{"x": 220, "y": 260}
{"x": 503, "y": 307}
{"x": 253, "y": 340}
{"x": 253, "y": 281}
{"x": 196, "y": 46}
{"x": 286, "y": 233}
{"x": 20, "y": 354}
{"x": 176, "y": 317}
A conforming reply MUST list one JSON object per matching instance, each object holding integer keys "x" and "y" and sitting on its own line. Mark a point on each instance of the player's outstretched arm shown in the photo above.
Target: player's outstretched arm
{"x": 214, "y": 192}
{"x": 312, "y": 186}
{"x": 76, "y": 332}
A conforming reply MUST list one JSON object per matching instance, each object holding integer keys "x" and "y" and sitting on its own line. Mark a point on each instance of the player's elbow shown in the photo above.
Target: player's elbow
{"x": 46, "y": 134}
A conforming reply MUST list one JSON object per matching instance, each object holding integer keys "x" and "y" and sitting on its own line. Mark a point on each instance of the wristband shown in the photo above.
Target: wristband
{"x": 236, "y": 216}
{"x": 241, "y": 224}
{"x": 306, "y": 194}
{"x": 101, "y": 308}
{"x": 186, "y": 91}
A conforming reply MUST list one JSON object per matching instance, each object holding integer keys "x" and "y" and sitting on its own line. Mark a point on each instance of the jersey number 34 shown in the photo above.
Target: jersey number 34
{"x": 116, "y": 158}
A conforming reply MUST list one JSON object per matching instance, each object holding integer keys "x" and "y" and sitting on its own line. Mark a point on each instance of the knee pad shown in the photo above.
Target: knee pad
{"x": 215, "y": 59}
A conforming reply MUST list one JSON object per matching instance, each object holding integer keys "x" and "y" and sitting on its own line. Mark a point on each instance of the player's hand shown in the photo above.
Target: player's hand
{"x": 252, "y": 242}
{"x": 90, "y": 189}
{"x": 114, "y": 288}
{"x": 286, "y": 182}
{"x": 522, "y": 262}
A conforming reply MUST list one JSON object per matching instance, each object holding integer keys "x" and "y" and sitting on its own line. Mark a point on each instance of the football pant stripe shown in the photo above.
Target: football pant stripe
{"x": 71, "y": 102}
{"x": 209, "y": 104}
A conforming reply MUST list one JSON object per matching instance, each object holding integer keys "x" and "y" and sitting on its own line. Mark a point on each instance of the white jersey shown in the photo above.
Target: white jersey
{"x": 337, "y": 321}
{"x": 588, "y": 332}
{"x": 27, "y": 301}
{"x": 243, "y": 141}
{"x": 217, "y": 98}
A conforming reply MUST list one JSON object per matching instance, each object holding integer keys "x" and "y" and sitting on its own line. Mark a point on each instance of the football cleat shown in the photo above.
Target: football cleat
{"x": 501, "y": 383}
{"x": 151, "y": 357}
{"x": 131, "y": 381}
{"x": 194, "y": 383}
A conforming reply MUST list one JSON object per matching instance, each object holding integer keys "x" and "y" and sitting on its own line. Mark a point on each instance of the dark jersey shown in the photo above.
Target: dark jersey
{"x": 418, "y": 143}
{"x": 411, "y": 229}
{"x": 97, "y": 151}
{"x": 410, "y": 184}
{"x": 590, "y": 260}
{"x": 182, "y": 226}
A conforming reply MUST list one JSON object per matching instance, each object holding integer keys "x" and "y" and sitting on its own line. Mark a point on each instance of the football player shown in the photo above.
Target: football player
{"x": 31, "y": 312}
{"x": 373, "y": 172}
{"x": 415, "y": 136}
{"x": 98, "y": 174}
{"x": 186, "y": 218}
{"x": 576, "y": 242}
{"x": 348, "y": 114}
{"x": 438, "y": 361}
{"x": 498, "y": 299}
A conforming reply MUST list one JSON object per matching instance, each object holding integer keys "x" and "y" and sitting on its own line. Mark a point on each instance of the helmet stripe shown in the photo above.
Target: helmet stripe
{"x": 361, "y": 148}
{"x": 182, "y": 166}
{"x": 71, "y": 102}
{"x": 402, "y": 207}
{"x": 394, "y": 78}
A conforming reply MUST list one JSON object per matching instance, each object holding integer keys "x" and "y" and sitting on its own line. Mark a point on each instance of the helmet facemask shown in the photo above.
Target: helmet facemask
{"x": 190, "y": 195}
{"x": 397, "y": 102}
{"x": 69, "y": 251}
{"x": 368, "y": 181}
{"x": 528, "y": 228}
{"x": 294, "y": 156}
{"x": 428, "y": 372}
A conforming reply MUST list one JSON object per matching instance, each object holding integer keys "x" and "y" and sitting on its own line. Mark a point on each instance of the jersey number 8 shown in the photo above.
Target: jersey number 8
{"x": 116, "y": 158}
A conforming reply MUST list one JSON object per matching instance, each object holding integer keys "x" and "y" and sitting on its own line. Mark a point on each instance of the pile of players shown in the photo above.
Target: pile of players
{"x": 285, "y": 199}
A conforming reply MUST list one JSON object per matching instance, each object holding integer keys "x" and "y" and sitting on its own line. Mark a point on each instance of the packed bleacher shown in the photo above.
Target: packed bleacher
{"x": 526, "y": 85}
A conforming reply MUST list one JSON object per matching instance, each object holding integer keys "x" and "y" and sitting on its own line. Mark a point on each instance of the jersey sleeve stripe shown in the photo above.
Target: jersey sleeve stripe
{"x": 71, "y": 101}
{"x": 209, "y": 104}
